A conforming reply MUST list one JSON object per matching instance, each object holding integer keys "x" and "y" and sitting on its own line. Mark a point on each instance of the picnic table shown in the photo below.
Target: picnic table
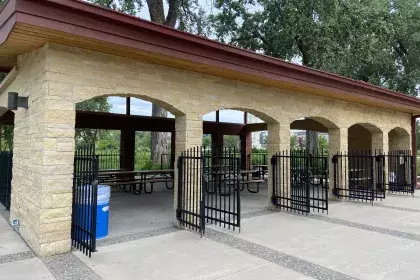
{"x": 247, "y": 181}
{"x": 262, "y": 169}
{"x": 136, "y": 180}
{"x": 229, "y": 178}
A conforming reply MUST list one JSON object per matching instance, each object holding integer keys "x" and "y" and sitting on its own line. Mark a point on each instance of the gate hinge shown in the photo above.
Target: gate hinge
{"x": 335, "y": 159}
{"x": 273, "y": 160}
{"x": 273, "y": 200}
{"x": 178, "y": 214}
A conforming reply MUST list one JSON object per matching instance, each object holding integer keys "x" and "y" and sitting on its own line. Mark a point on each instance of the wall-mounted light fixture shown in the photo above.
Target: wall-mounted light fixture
{"x": 15, "y": 101}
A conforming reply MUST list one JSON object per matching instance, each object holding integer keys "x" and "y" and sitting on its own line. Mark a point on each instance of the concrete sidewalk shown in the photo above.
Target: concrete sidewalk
{"x": 17, "y": 261}
{"x": 355, "y": 241}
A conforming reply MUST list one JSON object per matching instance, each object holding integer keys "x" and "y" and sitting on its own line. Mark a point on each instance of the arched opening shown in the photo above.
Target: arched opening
{"x": 119, "y": 128}
{"x": 316, "y": 127}
{"x": 365, "y": 171}
{"x": 239, "y": 143}
{"x": 398, "y": 139}
{"x": 365, "y": 137}
{"x": 311, "y": 152}
{"x": 399, "y": 162}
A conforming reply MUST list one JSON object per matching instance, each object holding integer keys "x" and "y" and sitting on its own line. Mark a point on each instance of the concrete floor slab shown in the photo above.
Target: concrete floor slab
{"x": 139, "y": 213}
{"x": 376, "y": 216}
{"x": 10, "y": 241}
{"x": 179, "y": 255}
{"x": 33, "y": 269}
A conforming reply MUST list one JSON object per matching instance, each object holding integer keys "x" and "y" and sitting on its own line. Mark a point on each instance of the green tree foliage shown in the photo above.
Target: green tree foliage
{"x": 232, "y": 141}
{"x": 6, "y": 139}
{"x": 375, "y": 41}
{"x": 294, "y": 142}
{"x": 322, "y": 143}
{"x": 207, "y": 140}
{"x": 91, "y": 136}
{"x": 6, "y": 132}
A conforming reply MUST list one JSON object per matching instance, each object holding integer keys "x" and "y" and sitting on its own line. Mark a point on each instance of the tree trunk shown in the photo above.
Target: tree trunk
{"x": 160, "y": 140}
{"x": 311, "y": 142}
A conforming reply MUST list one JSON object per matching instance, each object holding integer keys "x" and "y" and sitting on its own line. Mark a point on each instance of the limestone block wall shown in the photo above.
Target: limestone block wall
{"x": 399, "y": 140}
{"x": 56, "y": 77}
{"x": 43, "y": 157}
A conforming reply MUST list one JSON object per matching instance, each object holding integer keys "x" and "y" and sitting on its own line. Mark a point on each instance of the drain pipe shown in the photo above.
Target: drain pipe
{"x": 414, "y": 146}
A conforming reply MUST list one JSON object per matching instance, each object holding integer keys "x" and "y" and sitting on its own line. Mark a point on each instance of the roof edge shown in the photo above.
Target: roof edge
{"x": 164, "y": 36}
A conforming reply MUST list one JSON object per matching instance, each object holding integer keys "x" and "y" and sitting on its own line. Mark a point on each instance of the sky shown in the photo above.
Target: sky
{"x": 144, "y": 108}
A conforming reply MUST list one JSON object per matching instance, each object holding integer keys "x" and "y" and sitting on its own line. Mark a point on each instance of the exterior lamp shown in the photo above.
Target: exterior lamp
{"x": 15, "y": 101}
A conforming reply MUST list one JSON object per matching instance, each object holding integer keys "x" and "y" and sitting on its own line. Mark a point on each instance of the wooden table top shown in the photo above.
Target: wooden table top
{"x": 247, "y": 171}
{"x": 134, "y": 172}
{"x": 111, "y": 170}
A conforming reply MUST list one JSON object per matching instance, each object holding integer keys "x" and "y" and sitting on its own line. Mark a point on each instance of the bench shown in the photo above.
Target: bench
{"x": 155, "y": 180}
{"x": 130, "y": 184}
{"x": 248, "y": 182}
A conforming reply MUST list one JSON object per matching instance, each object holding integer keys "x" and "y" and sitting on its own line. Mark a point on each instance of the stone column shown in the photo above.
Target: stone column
{"x": 379, "y": 147}
{"x": 278, "y": 142}
{"x": 189, "y": 134}
{"x": 338, "y": 144}
{"x": 43, "y": 157}
{"x": 173, "y": 141}
{"x": 378, "y": 142}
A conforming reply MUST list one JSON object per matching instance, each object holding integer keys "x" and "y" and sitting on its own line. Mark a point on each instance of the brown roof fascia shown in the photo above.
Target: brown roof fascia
{"x": 85, "y": 19}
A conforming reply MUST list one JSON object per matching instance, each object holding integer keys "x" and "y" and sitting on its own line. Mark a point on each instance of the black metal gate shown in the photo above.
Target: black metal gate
{"x": 222, "y": 187}
{"x": 5, "y": 178}
{"x": 190, "y": 206}
{"x": 359, "y": 175}
{"x": 400, "y": 172}
{"x": 300, "y": 181}
{"x": 85, "y": 195}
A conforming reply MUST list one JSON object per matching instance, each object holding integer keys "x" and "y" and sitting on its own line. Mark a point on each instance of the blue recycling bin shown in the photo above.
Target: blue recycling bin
{"x": 102, "y": 211}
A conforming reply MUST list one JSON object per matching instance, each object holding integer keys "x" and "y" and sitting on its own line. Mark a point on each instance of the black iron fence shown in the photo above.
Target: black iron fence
{"x": 108, "y": 160}
{"x": 258, "y": 158}
{"x": 5, "y": 178}
{"x": 222, "y": 199}
{"x": 300, "y": 181}
{"x": 359, "y": 175}
{"x": 208, "y": 193}
{"x": 400, "y": 172}
{"x": 85, "y": 194}
{"x": 190, "y": 208}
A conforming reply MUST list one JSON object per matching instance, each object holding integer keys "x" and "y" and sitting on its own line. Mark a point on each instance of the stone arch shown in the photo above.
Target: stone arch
{"x": 315, "y": 123}
{"x": 266, "y": 117}
{"x": 173, "y": 109}
{"x": 365, "y": 137}
{"x": 398, "y": 139}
